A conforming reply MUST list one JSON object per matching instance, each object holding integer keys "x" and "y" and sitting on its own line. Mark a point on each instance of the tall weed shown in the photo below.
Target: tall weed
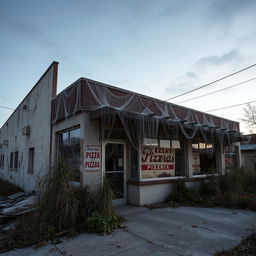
{"x": 235, "y": 189}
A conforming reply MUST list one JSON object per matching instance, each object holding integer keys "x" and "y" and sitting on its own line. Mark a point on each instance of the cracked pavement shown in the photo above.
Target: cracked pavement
{"x": 164, "y": 231}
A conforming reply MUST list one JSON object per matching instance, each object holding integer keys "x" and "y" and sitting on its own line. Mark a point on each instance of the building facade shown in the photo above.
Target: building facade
{"x": 140, "y": 144}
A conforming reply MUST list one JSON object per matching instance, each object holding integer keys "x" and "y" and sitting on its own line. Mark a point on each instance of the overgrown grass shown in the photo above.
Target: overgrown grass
{"x": 65, "y": 209}
{"x": 6, "y": 188}
{"x": 235, "y": 189}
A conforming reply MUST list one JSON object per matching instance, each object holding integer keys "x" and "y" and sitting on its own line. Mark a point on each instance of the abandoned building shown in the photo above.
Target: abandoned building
{"x": 248, "y": 153}
{"x": 141, "y": 144}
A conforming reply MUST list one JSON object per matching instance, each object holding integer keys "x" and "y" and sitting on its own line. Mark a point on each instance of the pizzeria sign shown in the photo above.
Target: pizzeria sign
{"x": 157, "y": 162}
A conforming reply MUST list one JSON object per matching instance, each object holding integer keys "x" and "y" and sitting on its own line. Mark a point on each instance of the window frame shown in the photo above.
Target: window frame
{"x": 16, "y": 160}
{"x": 31, "y": 160}
{"x": 204, "y": 146}
{"x": 11, "y": 161}
{"x": 2, "y": 162}
{"x": 142, "y": 144}
{"x": 59, "y": 148}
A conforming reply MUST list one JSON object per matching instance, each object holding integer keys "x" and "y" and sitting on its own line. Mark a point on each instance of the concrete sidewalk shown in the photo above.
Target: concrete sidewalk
{"x": 168, "y": 231}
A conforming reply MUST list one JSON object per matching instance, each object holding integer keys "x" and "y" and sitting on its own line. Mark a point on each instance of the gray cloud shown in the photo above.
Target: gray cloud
{"x": 217, "y": 60}
{"x": 222, "y": 13}
{"x": 191, "y": 79}
{"x": 182, "y": 83}
{"x": 173, "y": 8}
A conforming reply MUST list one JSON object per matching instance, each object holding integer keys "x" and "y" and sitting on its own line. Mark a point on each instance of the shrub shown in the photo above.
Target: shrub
{"x": 231, "y": 181}
{"x": 210, "y": 187}
{"x": 249, "y": 181}
{"x": 63, "y": 208}
{"x": 102, "y": 223}
{"x": 235, "y": 189}
{"x": 179, "y": 192}
{"x": 57, "y": 203}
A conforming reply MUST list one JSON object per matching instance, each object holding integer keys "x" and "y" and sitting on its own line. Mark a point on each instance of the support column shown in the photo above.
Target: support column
{"x": 220, "y": 159}
{"x": 238, "y": 155}
{"x": 188, "y": 158}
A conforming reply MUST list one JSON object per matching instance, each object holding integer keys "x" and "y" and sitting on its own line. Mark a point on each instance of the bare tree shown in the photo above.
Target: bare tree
{"x": 250, "y": 117}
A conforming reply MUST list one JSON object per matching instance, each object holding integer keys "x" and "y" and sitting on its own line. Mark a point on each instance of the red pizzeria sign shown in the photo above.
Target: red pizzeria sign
{"x": 92, "y": 158}
{"x": 157, "y": 162}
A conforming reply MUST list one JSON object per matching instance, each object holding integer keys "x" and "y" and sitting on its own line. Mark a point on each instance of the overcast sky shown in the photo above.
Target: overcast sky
{"x": 158, "y": 48}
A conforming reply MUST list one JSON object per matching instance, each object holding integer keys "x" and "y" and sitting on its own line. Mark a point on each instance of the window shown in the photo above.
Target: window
{"x": 150, "y": 142}
{"x": 31, "y": 155}
{"x": 2, "y": 162}
{"x": 161, "y": 158}
{"x": 11, "y": 160}
{"x": 16, "y": 160}
{"x": 230, "y": 157}
{"x": 204, "y": 158}
{"x": 69, "y": 149}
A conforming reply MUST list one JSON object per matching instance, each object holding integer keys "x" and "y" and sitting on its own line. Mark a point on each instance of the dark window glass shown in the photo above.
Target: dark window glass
{"x": 11, "y": 160}
{"x": 69, "y": 148}
{"x": 114, "y": 168}
{"x": 204, "y": 158}
{"x": 2, "y": 161}
{"x": 16, "y": 160}
{"x": 31, "y": 155}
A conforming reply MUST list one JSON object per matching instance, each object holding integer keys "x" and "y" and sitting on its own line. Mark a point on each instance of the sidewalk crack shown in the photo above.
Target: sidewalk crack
{"x": 152, "y": 242}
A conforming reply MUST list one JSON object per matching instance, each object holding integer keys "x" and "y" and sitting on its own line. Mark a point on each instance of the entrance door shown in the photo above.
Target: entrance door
{"x": 115, "y": 166}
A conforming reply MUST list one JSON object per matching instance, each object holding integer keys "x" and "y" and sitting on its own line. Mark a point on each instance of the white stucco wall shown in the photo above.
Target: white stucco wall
{"x": 151, "y": 194}
{"x": 37, "y": 116}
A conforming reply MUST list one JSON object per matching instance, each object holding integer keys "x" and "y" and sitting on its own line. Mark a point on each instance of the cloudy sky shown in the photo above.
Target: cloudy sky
{"x": 158, "y": 48}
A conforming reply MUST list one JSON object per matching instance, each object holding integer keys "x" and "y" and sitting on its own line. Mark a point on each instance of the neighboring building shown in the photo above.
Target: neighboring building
{"x": 25, "y": 138}
{"x": 248, "y": 153}
{"x": 141, "y": 144}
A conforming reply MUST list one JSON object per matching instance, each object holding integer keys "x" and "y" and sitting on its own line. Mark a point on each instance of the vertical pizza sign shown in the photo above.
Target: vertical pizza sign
{"x": 92, "y": 158}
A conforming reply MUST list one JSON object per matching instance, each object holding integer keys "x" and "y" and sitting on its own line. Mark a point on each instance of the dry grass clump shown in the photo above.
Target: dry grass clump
{"x": 235, "y": 189}
{"x": 64, "y": 209}
{"x": 57, "y": 203}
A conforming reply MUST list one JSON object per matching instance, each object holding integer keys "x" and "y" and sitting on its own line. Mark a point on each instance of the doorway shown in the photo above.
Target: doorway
{"x": 115, "y": 169}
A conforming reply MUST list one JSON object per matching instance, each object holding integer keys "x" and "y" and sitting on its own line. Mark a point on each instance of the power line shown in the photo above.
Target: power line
{"x": 225, "y": 88}
{"x": 7, "y": 108}
{"x": 215, "y": 81}
{"x": 230, "y": 106}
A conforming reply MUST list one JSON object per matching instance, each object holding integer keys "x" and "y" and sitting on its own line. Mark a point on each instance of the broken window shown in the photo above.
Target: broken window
{"x": 31, "y": 156}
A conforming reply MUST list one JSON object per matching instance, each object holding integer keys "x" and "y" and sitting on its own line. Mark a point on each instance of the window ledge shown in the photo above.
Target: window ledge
{"x": 168, "y": 180}
{"x": 155, "y": 181}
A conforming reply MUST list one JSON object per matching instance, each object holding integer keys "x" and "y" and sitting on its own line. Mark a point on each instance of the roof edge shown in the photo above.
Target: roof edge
{"x": 139, "y": 94}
